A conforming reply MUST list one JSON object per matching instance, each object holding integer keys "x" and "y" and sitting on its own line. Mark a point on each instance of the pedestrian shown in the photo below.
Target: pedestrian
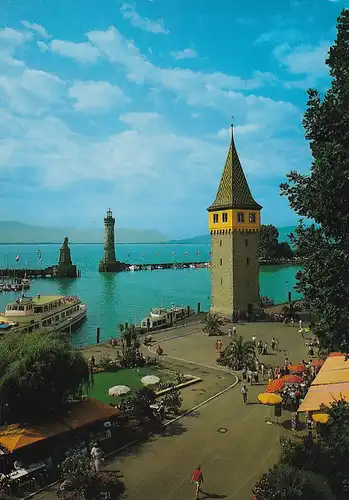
{"x": 244, "y": 392}
{"x": 217, "y": 347}
{"x": 265, "y": 348}
{"x": 243, "y": 371}
{"x": 273, "y": 343}
{"x": 197, "y": 478}
{"x": 96, "y": 455}
{"x": 277, "y": 372}
{"x": 262, "y": 368}
{"x": 254, "y": 339}
{"x": 249, "y": 376}
{"x": 255, "y": 376}
{"x": 234, "y": 331}
{"x": 292, "y": 321}
{"x": 229, "y": 333}
{"x": 276, "y": 344}
{"x": 259, "y": 347}
{"x": 300, "y": 324}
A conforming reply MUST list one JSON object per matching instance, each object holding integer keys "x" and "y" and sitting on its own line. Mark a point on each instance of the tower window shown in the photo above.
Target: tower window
{"x": 252, "y": 218}
{"x": 241, "y": 217}
{"x": 246, "y": 242}
{"x": 215, "y": 218}
{"x": 221, "y": 262}
{"x": 220, "y": 243}
{"x": 247, "y": 261}
{"x": 225, "y": 217}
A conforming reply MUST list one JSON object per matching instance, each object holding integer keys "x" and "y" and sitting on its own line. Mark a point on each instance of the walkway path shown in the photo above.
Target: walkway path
{"x": 229, "y": 440}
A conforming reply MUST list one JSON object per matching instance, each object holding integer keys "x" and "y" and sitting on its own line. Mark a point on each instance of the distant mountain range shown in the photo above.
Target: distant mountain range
{"x": 205, "y": 238}
{"x": 16, "y": 232}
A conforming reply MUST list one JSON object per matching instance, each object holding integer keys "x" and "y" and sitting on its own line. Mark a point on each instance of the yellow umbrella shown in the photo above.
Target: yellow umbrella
{"x": 269, "y": 399}
{"x": 321, "y": 418}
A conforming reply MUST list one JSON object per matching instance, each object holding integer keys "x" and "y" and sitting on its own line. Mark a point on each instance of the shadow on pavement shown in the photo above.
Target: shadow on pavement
{"x": 205, "y": 495}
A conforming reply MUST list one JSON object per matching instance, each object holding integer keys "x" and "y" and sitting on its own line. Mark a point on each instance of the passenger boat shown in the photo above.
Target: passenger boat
{"x": 160, "y": 317}
{"x": 53, "y": 313}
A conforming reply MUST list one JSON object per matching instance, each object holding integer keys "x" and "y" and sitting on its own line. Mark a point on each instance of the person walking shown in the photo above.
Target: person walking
{"x": 197, "y": 478}
{"x": 262, "y": 369}
{"x": 244, "y": 392}
{"x": 273, "y": 343}
{"x": 254, "y": 339}
{"x": 276, "y": 344}
{"x": 234, "y": 331}
{"x": 300, "y": 324}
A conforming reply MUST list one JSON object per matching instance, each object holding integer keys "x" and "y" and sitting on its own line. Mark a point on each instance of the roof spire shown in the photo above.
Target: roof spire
{"x": 233, "y": 191}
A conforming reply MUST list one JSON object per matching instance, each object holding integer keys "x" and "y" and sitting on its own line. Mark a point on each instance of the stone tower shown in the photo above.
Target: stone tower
{"x": 234, "y": 223}
{"x": 109, "y": 263}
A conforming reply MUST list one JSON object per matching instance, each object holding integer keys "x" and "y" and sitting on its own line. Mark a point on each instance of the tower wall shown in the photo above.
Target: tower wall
{"x": 109, "y": 262}
{"x": 235, "y": 272}
{"x": 109, "y": 240}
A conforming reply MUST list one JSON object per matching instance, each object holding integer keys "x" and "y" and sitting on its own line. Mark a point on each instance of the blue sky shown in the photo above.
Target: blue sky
{"x": 128, "y": 105}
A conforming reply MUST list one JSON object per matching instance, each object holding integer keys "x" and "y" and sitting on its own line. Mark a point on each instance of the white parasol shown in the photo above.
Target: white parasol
{"x": 150, "y": 380}
{"x": 119, "y": 390}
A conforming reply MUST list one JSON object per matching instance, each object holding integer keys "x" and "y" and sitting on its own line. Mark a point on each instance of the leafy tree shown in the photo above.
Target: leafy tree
{"x": 39, "y": 373}
{"x": 130, "y": 355}
{"x": 284, "y": 251}
{"x": 335, "y": 448}
{"x": 213, "y": 323}
{"x": 292, "y": 309}
{"x": 287, "y": 483}
{"x": 323, "y": 196}
{"x": 238, "y": 354}
{"x": 173, "y": 400}
{"x": 80, "y": 482}
{"x": 138, "y": 405}
{"x": 269, "y": 246}
{"x": 268, "y": 241}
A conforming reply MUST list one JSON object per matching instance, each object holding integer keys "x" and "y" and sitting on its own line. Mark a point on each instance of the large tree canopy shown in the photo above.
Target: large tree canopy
{"x": 323, "y": 196}
{"x": 38, "y": 373}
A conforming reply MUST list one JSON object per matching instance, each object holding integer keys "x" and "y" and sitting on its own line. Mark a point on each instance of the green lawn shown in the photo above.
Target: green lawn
{"x": 129, "y": 377}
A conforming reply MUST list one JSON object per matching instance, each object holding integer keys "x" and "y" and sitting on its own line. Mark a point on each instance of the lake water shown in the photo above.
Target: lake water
{"x": 129, "y": 296}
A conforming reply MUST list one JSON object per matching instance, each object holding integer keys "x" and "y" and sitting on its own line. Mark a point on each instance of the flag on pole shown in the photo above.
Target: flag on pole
{"x": 17, "y": 258}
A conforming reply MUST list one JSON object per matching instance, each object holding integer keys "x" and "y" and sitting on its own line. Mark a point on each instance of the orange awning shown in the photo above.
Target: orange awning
{"x": 335, "y": 363}
{"x": 331, "y": 377}
{"x": 324, "y": 394}
{"x": 14, "y": 436}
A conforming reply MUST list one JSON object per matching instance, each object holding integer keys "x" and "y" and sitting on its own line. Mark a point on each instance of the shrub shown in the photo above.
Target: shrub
{"x": 172, "y": 400}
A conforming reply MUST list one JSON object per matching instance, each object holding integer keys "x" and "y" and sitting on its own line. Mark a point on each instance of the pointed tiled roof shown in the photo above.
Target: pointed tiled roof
{"x": 233, "y": 191}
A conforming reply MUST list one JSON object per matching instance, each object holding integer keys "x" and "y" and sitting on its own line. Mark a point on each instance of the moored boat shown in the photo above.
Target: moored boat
{"x": 53, "y": 313}
{"x": 161, "y": 317}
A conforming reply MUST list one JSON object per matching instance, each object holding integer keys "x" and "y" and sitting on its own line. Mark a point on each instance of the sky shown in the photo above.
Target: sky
{"x": 128, "y": 105}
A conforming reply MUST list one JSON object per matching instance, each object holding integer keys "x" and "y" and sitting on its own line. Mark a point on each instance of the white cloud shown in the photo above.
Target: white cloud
{"x": 188, "y": 53}
{"x": 96, "y": 97}
{"x": 216, "y": 90}
{"x": 13, "y": 37}
{"x": 42, "y": 46}
{"x": 28, "y": 91}
{"x": 304, "y": 59}
{"x": 144, "y": 122}
{"x": 40, "y": 30}
{"x": 128, "y": 12}
{"x": 82, "y": 52}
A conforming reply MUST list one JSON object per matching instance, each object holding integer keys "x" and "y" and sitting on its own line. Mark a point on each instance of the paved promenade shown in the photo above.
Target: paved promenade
{"x": 230, "y": 441}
